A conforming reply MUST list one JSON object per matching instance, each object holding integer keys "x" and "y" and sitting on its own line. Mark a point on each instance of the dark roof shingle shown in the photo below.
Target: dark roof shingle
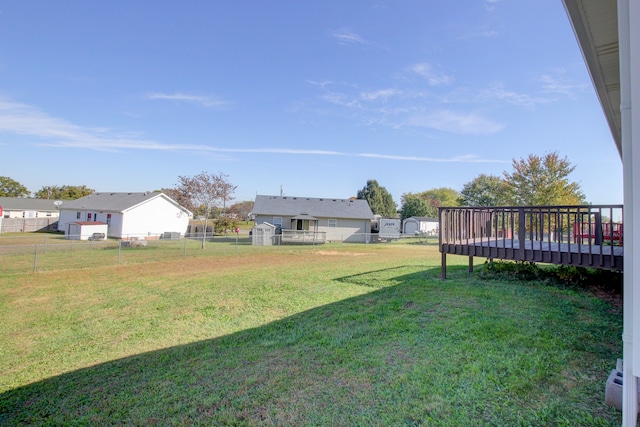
{"x": 318, "y": 207}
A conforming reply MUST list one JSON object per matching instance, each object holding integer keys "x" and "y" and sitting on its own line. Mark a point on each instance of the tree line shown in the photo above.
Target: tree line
{"x": 533, "y": 181}
{"x": 205, "y": 194}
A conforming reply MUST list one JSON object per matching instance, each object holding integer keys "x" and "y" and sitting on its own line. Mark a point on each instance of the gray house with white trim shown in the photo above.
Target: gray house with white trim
{"x": 329, "y": 219}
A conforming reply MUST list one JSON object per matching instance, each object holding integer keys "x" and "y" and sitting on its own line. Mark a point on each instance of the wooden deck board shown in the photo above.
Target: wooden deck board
{"x": 543, "y": 246}
{"x": 581, "y": 255}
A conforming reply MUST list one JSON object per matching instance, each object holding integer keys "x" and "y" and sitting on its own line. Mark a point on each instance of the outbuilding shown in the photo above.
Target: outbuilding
{"x": 83, "y": 230}
{"x": 420, "y": 225}
{"x": 263, "y": 234}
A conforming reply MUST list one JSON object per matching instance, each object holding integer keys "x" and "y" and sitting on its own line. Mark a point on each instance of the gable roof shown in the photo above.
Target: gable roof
{"x": 317, "y": 207}
{"x": 27, "y": 204}
{"x": 115, "y": 202}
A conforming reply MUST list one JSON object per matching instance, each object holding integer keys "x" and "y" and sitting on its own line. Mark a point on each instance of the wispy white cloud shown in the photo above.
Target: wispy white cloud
{"x": 491, "y": 4}
{"x": 554, "y": 85}
{"x": 478, "y": 33}
{"x": 403, "y": 109}
{"x": 434, "y": 77}
{"x": 345, "y": 36}
{"x": 205, "y": 101}
{"x": 497, "y": 92}
{"x": 22, "y": 119}
{"x": 468, "y": 158}
{"x": 381, "y": 94}
{"x": 454, "y": 122}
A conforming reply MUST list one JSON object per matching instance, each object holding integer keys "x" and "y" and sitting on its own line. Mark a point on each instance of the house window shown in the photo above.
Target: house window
{"x": 108, "y": 219}
{"x": 277, "y": 221}
{"x": 88, "y": 217}
{"x": 332, "y": 223}
{"x": 77, "y": 215}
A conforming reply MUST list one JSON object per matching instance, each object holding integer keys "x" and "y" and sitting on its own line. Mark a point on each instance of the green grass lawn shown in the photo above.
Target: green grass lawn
{"x": 338, "y": 335}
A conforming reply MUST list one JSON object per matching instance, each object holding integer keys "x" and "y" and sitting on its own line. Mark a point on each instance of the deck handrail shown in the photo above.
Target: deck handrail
{"x": 585, "y": 229}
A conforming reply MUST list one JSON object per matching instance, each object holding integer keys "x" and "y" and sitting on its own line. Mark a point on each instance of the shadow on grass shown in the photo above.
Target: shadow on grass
{"x": 417, "y": 351}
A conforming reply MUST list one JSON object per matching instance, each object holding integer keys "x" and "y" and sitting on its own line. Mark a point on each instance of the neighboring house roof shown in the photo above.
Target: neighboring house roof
{"x": 115, "y": 202}
{"x": 318, "y": 207}
{"x": 26, "y": 204}
{"x": 423, "y": 219}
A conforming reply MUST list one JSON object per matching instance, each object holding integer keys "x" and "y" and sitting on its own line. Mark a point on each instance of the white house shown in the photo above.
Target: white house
{"x": 608, "y": 33}
{"x": 127, "y": 215}
{"x": 420, "y": 224}
{"x": 333, "y": 219}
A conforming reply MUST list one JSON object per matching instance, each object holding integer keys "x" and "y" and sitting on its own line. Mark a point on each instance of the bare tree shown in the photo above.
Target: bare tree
{"x": 205, "y": 191}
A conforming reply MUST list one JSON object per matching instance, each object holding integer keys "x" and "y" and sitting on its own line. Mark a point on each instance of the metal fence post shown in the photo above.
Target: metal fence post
{"x": 185, "y": 246}
{"x": 35, "y": 259}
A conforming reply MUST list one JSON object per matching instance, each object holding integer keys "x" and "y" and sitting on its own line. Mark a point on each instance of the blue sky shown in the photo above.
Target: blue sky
{"x": 314, "y": 97}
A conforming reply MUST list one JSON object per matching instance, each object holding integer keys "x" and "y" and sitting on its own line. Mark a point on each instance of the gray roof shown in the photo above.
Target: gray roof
{"x": 26, "y": 204}
{"x": 115, "y": 202}
{"x": 324, "y": 208}
{"x": 423, "y": 218}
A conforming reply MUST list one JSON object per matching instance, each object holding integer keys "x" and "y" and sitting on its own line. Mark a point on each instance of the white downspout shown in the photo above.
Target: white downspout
{"x": 630, "y": 95}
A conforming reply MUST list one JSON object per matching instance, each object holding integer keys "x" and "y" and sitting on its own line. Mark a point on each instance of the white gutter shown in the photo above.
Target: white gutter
{"x": 628, "y": 40}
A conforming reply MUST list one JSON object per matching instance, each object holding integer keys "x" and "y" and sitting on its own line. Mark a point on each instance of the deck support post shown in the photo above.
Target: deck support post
{"x": 443, "y": 266}
{"x": 470, "y": 264}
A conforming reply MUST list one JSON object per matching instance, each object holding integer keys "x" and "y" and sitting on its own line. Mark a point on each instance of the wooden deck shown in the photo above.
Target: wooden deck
{"x": 583, "y": 236}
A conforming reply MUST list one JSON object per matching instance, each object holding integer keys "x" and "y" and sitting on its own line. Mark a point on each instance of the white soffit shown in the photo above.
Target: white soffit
{"x": 595, "y": 23}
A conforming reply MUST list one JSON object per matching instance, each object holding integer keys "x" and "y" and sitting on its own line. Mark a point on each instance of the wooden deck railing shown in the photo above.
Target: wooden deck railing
{"x": 589, "y": 236}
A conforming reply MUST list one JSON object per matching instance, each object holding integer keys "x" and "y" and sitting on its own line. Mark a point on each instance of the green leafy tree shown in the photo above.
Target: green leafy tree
{"x": 12, "y": 188}
{"x": 427, "y": 202}
{"x": 379, "y": 199}
{"x": 66, "y": 192}
{"x": 484, "y": 190}
{"x": 223, "y": 224}
{"x": 443, "y": 196}
{"x": 542, "y": 181}
{"x": 416, "y": 205}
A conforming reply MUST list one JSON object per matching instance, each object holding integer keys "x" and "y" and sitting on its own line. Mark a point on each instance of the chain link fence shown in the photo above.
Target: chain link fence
{"x": 37, "y": 252}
